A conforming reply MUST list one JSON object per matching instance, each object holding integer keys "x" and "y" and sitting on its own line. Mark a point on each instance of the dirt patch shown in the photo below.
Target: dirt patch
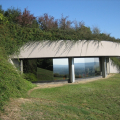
{"x": 12, "y": 110}
{"x": 46, "y": 85}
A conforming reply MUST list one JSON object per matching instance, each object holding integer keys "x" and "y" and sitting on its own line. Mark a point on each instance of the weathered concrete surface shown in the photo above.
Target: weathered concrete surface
{"x": 61, "y": 48}
{"x": 113, "y": 68}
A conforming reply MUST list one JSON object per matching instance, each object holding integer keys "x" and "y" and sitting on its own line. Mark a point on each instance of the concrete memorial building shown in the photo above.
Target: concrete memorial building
{"x": 66, "y": 59}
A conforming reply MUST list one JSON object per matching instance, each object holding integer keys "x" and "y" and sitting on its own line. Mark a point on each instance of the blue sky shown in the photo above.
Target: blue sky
{"x": 104, "y": 14}
{"x": 64, "y": 61}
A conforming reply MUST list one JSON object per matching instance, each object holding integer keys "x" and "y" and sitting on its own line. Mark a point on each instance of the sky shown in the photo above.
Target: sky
{"x": 104, "y": 14}
{"x": 64, "y": 61}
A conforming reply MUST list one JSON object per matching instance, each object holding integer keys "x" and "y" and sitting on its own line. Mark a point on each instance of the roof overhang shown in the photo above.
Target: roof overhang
{"x": 68, "y": 48}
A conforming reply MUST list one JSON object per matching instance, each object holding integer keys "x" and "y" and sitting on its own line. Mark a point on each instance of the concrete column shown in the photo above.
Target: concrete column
{"x": 71, "y": 70}
{"x": 21, "y": 66}
{"x": 108, "y": 66}
{"x": 100, "y": 64}
{"x": 104, "y": 67}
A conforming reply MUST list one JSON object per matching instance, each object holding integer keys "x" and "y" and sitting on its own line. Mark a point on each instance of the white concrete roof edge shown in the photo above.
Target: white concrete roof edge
{"x": 68, "y": 48}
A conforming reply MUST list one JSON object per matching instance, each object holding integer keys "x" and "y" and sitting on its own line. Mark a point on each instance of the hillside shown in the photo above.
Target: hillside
{"x": 11, "y": 82}
{"x": 44, "y": 75}
{"x": 18, "y": 28}
{"x": 86, "y": 100}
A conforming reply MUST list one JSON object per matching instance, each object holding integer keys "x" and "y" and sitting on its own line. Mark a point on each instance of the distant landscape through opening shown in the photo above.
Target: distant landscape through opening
{"x": 58, "y": 68}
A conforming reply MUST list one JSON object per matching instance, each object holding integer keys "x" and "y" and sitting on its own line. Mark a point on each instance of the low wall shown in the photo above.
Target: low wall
{"x": 113, "y": 68}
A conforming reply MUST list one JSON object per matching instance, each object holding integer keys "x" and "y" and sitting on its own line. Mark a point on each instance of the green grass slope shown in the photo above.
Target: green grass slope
{"x": 98, "y": 100}
{"x": 13, "y": 36}
{"x": 11, "y": 82}
{"x": 43, "y": 74}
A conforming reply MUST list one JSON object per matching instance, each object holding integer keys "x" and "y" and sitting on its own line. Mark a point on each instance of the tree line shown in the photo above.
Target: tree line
{"x": 17, "y": 28}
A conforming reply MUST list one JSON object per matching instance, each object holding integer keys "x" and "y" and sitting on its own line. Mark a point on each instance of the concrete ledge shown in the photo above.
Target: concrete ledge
{"x": 68, "y": 48}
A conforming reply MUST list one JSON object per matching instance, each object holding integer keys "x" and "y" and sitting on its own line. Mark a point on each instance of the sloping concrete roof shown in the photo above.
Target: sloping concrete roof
{"x": 67, "y": 48}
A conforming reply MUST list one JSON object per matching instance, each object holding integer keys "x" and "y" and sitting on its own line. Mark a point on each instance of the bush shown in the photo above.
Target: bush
{"x": 30, "y": 77}
{"x": 56, "y": 75}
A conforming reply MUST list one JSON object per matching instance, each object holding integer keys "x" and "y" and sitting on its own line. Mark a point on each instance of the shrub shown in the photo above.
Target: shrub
{"x": 56, "y": 75}
{"x": 30, "y": 77}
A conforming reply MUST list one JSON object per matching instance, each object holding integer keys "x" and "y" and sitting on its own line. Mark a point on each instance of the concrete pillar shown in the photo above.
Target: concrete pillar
{"x": 100, "y": 64}
{"x": 108, "y": 66}
{"x": 21, "y": 66}
{"x": 104, "y": 67}
{"x": 71, "y": 70}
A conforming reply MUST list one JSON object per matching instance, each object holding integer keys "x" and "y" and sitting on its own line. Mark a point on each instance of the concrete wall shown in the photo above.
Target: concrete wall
{"x": 62, "y": 48}
{"x": 47, "y": 49}
{"x": 15, "y": 62}
{"x": 113, "y": 68}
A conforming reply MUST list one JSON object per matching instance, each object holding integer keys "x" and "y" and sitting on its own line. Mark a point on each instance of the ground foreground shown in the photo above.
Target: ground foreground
{"x": 92, "y": 100}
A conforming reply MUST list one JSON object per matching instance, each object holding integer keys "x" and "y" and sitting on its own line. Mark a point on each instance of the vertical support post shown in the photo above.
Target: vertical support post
{"x": 104, "y": 67}
{"x": 21, "y": 66}
{"x": 100, "y": 63}
{"x": 71, "y": 70}
{"x": 108, "y": 66}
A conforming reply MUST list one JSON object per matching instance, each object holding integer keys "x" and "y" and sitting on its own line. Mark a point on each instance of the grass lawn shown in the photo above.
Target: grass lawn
{"x": 98, "y": 100}
{"x": 44, "y": 75}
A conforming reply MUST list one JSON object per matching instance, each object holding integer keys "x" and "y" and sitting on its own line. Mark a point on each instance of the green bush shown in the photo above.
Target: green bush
{"x": 56, "y": 75}
{"x": 30, "y": 77}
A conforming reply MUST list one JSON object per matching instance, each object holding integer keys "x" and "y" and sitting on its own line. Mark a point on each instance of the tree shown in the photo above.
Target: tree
{"x": 45, "y": 64}
{"x": 3, "y": 19}
{"x": 11, "y": 14}
{"x": 96, "y": 30}
{"x": 47, "y": 22}
{"x": 1, "y": 10}
{"x": 64, "y": 23}
{"x": 83, "y": 31}
{"x": 25, "y": 18}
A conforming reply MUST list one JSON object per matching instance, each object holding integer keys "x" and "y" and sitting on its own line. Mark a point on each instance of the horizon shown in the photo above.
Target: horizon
{"x": 64, "y": 61}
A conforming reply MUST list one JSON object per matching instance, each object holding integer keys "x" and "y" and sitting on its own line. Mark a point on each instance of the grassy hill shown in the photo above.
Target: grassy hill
{"x": 97, "y": 100}
{"x": 44, "y": 75}
{"x": 13, "y": 35}
{"x": 11, "y": 82}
